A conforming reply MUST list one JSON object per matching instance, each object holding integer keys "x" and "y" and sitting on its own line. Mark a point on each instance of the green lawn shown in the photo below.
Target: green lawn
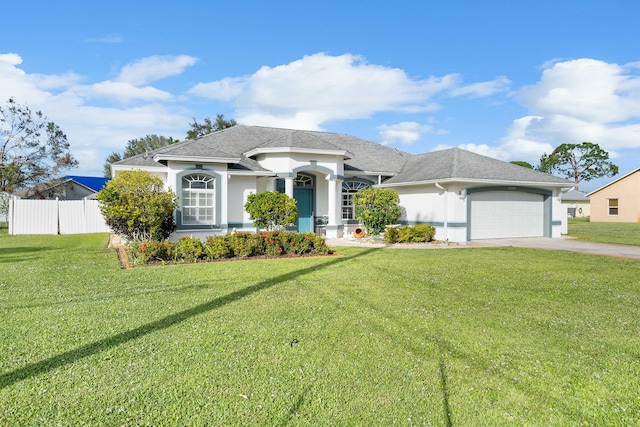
{"x": 605, "y": 232}
{"x": 452, "y": 337}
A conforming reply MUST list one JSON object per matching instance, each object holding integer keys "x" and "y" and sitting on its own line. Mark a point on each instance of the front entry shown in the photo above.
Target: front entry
{"x": 304, "y": 200}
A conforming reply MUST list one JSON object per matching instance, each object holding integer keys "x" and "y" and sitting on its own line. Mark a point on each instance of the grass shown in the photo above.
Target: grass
{"x": 454, "y": 337}
{"x": 623, "y": 233}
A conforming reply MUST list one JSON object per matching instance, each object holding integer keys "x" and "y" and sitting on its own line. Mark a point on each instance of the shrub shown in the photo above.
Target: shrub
{"x": 239, "y": 245}
{"x": 376, "y": 208}
{"x": 189, "y": 249}
{"x": 419, "y": 233}
{"x": 391, "y": 235}
{"x": 247, "y": 244}
{"x": 271, "y": 210}
{"x": 150, "y": 251}
{"x": 423, "y": 233}
{"x": 218, "y": 247}
{"x": 135, "y": 205}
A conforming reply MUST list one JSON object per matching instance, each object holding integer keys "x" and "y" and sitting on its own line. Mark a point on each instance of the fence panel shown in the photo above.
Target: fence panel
{"x": 94, "y": 221}
{"x": 71, "y": 216}
{"x": 53, "y": 217}
{"x": 34, "y": 217}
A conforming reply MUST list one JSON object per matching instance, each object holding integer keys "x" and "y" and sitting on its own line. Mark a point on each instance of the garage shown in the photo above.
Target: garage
{"x": 504, "y": 214}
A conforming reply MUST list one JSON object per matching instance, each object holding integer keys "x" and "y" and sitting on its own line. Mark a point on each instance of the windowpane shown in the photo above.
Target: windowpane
{"x": 613, "y": 206}
{"x": 349, "y": 188}
{"x": 198, "y": 200}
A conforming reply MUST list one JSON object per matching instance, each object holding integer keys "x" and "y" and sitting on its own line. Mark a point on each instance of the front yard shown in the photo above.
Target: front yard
{"x": 468, "y": 336}
{"x": 605, "y": 232}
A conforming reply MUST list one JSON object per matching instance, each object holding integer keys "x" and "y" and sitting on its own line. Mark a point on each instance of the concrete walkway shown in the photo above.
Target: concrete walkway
{"x": 566, "y": 244}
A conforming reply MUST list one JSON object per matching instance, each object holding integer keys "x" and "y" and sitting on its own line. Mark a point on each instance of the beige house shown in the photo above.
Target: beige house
{"x": 577, "y": 204}
{"x": 618, "y": 201}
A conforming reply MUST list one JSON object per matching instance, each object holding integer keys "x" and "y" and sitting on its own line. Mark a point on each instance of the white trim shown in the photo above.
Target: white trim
{"x": 474, "y": 181}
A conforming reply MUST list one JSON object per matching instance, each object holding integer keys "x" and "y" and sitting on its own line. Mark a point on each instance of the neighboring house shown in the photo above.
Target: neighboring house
{"x": 618, "y": 201}
{"x": 464, "y": 195}
{"x": 70, "y": 187}
{"x": 577, "y": 204}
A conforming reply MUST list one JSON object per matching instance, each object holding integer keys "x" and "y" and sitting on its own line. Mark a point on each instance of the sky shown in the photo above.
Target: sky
{"x": 505, "y": 78}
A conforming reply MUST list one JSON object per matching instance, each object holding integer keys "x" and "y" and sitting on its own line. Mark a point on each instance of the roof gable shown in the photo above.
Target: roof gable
{"x": 625, "y": 176}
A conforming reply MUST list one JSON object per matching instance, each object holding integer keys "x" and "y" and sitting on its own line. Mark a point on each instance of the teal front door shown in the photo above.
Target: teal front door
{"x": 304, "y": 200}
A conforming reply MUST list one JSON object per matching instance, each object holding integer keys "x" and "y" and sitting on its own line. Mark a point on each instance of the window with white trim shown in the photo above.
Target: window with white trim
{"x": 198, "y": 199}
{"x": 349, "y": 188}
{"x": 613, "y": 206}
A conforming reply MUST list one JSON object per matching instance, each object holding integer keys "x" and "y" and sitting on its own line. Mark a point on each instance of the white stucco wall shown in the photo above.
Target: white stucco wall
{"x": 558, "y": 214}
{"x": 445, "y": 209}
{"x": 239, "y": 187}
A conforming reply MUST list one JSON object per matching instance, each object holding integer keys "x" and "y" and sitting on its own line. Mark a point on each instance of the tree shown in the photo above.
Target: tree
{"x": 33, "y": 150}
{"x": 578, "y": 162}
{"x": 137, "y": 146}
{"x": 4, "y": 204}
{"x": 199, "y": 130}
{"x": 271, "y": 210}
{"x": 376, "y": 208}
{"x": 136, "y": 205}
{"x": 522, "y": 163}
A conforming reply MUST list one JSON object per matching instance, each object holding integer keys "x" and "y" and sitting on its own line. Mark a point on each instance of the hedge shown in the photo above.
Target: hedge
{"x": 420, "y": 233}
{"x": 237, "y": 245}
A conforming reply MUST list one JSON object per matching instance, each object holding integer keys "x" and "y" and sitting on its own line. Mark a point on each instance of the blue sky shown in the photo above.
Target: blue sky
{"x": 508, "y": 79}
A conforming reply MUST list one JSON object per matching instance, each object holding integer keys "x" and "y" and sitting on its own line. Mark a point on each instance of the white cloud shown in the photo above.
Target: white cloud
{"x": 123, "y": 92}
{"x": 404, "y": 133}
{"x": 482, "y": 89}
{"x": 93, "y": 124}
{"x": 575, "y": 101}
{"x": 320, "y": 88}
{"x": 154, "y": 68}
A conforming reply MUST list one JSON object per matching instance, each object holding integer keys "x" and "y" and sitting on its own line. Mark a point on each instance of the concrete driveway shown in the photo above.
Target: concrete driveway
{"x": 566, "y": 244}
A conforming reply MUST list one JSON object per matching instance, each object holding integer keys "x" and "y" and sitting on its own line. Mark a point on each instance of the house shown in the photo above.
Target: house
{"x": 577, "y": 204}
{"x": 618, "y": 201}
{"x": 70, "y": 187}
{"x": 464, "y": 195}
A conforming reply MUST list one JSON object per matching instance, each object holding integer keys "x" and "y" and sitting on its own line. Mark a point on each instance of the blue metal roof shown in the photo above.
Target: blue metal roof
{"x": 93, "y": 182}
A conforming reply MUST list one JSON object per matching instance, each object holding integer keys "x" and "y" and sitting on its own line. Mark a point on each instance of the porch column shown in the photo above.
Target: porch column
{"x": 335, "y": 226}
{"x": 288, "y": 186}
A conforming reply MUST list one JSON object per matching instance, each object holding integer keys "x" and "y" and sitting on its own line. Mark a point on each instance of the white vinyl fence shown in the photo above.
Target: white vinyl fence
{"x": 55, "y": 217}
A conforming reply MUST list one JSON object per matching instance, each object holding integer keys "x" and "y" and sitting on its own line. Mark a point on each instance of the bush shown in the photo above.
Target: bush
{"x": 135, "y": 205}
{"x": 152, "y": 251}
{"x": 271, "y": 210}
{"x": 238, "y": 245}
{"x": 218, "y": 247}
{"x": 391, "y": 235}
{"x": 377, "y": 208}
{"x": 420, "y": 233}
{"x": 189, "y": 249}
{"x": 247, "y": 245}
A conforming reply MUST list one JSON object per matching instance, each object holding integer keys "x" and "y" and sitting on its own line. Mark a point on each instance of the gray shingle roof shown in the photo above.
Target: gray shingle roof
{"x": 235, "y": 141}
{"x": 361, "y": 155}
{"x": 455, "y": 163}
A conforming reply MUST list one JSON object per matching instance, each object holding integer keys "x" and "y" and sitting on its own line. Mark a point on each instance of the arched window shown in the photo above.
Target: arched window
{"x": 349, "y": 188}
{"x": 198, "y": 199}
{"x": 303, "y": 181}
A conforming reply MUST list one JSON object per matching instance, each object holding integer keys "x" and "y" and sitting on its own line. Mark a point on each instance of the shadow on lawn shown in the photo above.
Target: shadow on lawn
{"x": 71, "y": 356}
{"x": 15, "y": 254}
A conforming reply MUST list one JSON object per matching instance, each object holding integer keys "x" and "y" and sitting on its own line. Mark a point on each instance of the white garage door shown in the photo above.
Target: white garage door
{"x": 503, "y": 214}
